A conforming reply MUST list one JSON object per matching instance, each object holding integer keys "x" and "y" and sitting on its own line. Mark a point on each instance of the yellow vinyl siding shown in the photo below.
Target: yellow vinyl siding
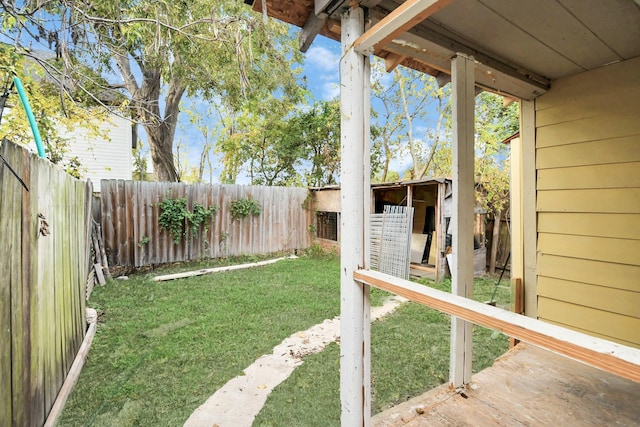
{"x": 620, "y": 251}
{"x": 606, "y": 299}
{"x": 590, "y": 106}
{"x": 618, "y": 276}
{"x": 616, "y": 150}
{"x": 614, "y": 325}
{"x": 613, "y": 200}
{"x": 609, "y": 125}
{"x": 617, "y": 175}
{"x": 621, "y": 226}
{"x": 588, "y": 202}
{"x": 592, "y": 333}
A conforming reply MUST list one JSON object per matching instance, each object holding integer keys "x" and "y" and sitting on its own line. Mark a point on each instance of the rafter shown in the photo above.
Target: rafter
{"x": 402, "y": 19}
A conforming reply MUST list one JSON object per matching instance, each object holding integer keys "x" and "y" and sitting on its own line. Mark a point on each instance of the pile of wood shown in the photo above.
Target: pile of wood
{"x": 99, "y": 259}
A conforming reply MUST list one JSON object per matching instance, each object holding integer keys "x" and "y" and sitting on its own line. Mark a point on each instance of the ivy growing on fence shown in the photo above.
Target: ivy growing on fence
{"x": 241, "y": 208}
{"x": 174, "y": 217}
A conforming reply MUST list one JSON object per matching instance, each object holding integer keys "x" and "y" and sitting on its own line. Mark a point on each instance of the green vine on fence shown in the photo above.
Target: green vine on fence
{"x": 174, "y": 216}
{"x": 200, "y": 216}
{"x": 242, "y": 208}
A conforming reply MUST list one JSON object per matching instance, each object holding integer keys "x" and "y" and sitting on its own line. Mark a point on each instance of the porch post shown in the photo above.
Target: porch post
{"x": 529, "y": 215}
{"x": 462, "y": 80}
{"x": 355, "y": 207}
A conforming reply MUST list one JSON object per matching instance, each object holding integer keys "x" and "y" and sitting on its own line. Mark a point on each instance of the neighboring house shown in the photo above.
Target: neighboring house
{"x": 108, "y": 156}
{"x": 103, "y": 158}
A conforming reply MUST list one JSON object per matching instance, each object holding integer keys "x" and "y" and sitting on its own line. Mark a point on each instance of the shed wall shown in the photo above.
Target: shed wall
{"x": 588, "y": 202}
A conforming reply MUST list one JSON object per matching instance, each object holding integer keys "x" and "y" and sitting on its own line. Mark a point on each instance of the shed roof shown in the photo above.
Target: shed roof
{"x": 521, "y": 46}
{"x": 395, "y": 184}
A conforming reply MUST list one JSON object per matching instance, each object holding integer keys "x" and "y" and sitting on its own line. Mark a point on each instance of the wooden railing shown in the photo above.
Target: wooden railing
{"x": 606, "y": 355}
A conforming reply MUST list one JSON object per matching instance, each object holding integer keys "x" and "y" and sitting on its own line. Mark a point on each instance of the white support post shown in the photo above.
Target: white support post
{"x": 366, "y": 223}
{"x": 355, "y": 207}
{"x": 529, "y": 215}
{"x": 515, "y": 204}
{"x": 462, "y": 80}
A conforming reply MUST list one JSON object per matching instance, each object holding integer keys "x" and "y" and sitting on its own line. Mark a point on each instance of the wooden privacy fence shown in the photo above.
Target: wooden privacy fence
{"x": 44, "y": 234}
{"x": 133, "y": 236}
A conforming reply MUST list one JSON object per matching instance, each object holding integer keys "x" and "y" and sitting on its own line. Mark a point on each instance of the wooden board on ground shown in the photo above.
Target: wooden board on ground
{"x": 99, "y": 275}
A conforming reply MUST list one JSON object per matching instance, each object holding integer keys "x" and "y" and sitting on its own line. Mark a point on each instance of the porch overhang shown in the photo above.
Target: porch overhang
{"x": 519, "y": 47}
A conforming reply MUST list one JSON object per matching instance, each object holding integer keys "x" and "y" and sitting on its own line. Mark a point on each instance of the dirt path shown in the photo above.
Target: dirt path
{"x": 238, "y": 402}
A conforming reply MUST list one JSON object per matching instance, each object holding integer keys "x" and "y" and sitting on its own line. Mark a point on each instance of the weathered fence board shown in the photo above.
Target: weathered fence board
{"x": 134, "y": 238}
{"x": 44, "y": 268}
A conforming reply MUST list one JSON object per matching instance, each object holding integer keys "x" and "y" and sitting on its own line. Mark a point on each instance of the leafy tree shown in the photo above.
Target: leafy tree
{"x": 154, "y": 52}
{"x": 319, "y": 131}
{"x": 410, "y": 98}
{"x": 259, "y": 139}
{"x": 285, "y": 144}
{"x": 494, "y": 123}
{"x": 46, "y": 101}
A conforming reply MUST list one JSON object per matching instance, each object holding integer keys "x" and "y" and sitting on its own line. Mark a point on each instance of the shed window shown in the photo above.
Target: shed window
{"x": 327, "y": 225}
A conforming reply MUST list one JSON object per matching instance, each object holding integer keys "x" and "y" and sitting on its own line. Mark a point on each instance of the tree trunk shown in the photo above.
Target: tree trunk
{"x": 161, "y": 154}
{"x": 160, "y": 129}
{"x": 409, "y": 119}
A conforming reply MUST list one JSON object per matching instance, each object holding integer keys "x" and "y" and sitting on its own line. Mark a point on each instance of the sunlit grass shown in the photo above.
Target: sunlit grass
{"x": 163, "y": 348}
{"x": 410, "y": 355}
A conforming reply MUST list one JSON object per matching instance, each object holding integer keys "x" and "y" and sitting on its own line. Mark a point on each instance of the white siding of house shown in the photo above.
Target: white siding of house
{"x": 103, "y": 158}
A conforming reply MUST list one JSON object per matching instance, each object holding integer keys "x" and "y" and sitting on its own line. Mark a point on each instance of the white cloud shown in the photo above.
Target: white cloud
{"x": 322, "y": 59}
{"x": 330, "y": 90}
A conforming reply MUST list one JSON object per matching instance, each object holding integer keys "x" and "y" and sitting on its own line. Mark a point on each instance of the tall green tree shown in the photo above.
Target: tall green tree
{"x": 154, "y": 52}
{"x": 284, "y": 144}
{"x": 494, "y": 122}
{"x": 259, "y": 142}
{"x": 319, "y": 130}
{"x": 410, "y": 100}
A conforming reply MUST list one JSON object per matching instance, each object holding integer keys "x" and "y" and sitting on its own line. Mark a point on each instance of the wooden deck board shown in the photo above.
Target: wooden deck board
{"x": 527, "y": 386}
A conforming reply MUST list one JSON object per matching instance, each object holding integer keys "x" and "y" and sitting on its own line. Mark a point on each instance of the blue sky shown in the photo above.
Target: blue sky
{"x": 321, "y": 68}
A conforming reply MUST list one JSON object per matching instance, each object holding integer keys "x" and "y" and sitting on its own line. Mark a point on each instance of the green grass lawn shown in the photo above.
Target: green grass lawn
{"x": 162, "y": 349}
{"x": 410, "y": 355}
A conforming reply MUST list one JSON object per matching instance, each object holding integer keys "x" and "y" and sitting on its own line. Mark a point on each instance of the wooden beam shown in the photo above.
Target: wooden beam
{"x": 440, "y": 231}
{"x": 204, "y": 271}
{"x": 518, "y": 303}
{"x": 309, "y": 32}
{"x": 406, "y": 16}
{"x": 72, "y": 377}
{"x": 463, "y": 101}
{"x": 355, "y": 193}
{"x": 392, "y": 61}
{"x": 597, "y": 352}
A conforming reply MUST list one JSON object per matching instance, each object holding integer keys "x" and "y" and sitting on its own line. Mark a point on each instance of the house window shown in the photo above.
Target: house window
{"x": 327, "y": 225}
